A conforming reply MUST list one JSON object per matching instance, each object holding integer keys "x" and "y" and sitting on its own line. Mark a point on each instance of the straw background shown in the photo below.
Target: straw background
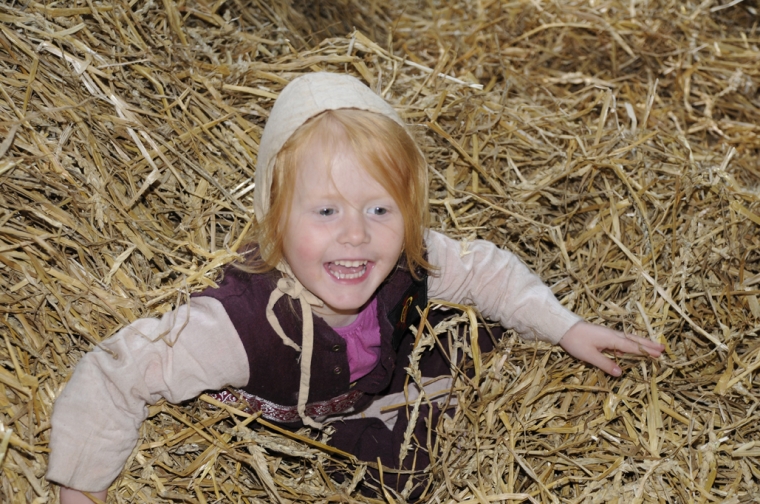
{"x": 614, "y": 145}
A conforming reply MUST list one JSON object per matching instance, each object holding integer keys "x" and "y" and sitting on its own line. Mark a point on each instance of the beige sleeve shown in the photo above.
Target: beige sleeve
{"x": 498, "y": 284}
{"x": 97, "y": 417}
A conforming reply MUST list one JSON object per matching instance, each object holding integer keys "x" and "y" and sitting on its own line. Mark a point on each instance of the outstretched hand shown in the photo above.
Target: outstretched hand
{"x": 587, "y": 341}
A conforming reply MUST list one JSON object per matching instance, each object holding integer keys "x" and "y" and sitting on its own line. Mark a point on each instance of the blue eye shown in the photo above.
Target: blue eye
{"x": 379, "y": 211}
{"x": 326, "y": 212}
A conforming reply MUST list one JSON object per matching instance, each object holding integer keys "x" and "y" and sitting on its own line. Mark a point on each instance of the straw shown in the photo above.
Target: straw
{"x": 613, "y": 146}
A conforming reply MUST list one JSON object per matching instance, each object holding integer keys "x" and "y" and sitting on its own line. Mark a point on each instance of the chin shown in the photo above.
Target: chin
{"x": 348, "y": 306}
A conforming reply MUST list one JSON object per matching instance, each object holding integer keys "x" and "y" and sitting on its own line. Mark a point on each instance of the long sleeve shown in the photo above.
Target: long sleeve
{"x": 96, "y": 419}
{"x": 498, "y": 284}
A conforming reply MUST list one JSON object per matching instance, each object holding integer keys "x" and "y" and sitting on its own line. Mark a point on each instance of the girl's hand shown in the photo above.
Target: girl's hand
{"x": 586, "y": 342}
{"x": 71, "y": 496}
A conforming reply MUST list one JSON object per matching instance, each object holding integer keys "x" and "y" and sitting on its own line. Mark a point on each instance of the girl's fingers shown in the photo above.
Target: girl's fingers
{"x": 604, "y": 363}
{"x": 639, "y": 345}
{"x": 620, "y": 343}
{"x": 587, "y": 342}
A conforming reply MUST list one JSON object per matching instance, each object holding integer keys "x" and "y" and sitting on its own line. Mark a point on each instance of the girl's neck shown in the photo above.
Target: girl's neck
{"x": 336, "y": 319}
{"x": 341, "y": 318}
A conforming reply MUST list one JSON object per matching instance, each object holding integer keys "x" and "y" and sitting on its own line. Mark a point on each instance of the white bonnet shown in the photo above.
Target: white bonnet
{"x": 302, "y": 99}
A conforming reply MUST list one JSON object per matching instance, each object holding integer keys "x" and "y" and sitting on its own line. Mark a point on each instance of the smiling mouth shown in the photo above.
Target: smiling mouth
{"x": 347, "y": 270}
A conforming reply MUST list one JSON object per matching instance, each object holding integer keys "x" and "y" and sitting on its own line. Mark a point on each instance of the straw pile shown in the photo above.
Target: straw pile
{"x": 613, "y": 145}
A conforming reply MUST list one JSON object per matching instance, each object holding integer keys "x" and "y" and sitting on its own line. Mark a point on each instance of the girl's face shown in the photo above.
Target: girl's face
{"x": 344, "y": 234}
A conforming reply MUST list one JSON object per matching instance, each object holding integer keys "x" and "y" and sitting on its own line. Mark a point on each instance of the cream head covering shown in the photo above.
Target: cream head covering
{"x": 302, "y": 99}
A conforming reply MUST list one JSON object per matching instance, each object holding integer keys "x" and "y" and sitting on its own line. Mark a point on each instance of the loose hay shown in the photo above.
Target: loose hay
{"x": 612, "y": 145}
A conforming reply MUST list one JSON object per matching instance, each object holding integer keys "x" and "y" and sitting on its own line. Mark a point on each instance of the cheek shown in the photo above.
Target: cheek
{"x": 398, "y": 231}
{"x": 306, "y": 251}
{"x": 303, "y": 259}
{"x": 305, "y": 245}
{"x": 295, "y": 235}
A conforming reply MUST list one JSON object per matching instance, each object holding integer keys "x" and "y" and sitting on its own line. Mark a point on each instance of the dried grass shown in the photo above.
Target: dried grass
{"x": 613, "y": 145}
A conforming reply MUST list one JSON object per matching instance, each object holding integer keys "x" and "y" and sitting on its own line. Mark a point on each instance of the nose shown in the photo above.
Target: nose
{"x": 353, "y": 230}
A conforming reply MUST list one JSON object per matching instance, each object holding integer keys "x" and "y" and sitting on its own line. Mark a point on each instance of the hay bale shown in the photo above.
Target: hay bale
{"x": 613, "y": 147}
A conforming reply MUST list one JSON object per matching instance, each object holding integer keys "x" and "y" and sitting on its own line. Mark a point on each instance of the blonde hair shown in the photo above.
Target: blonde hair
{"x": 382, "y": 146}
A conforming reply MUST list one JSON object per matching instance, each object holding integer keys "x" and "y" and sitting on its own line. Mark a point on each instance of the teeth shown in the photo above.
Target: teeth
{"x": 350, "y": 264}
{"x": 343, "y": 276}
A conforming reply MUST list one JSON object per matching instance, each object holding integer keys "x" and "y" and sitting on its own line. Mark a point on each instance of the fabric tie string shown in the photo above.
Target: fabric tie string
{"x": 289, "y": 285}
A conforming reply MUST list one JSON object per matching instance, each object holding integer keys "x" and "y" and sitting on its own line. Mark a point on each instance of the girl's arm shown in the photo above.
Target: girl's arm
{"x": 499, "y": 284}
{"x": 97, "y": 417}
{"x": 504, "y": 289}
{"x": 71, "y": 496}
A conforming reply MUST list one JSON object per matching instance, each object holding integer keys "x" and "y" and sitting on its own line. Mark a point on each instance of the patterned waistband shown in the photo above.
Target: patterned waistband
{"x": 289, "y": 414}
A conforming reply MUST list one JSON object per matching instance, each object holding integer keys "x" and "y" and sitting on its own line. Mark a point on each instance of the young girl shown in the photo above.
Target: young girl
{"x": 314, "y": 324}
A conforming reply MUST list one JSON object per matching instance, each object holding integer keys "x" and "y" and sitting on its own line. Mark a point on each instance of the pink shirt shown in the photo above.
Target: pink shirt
{"x": 362, "y": 341}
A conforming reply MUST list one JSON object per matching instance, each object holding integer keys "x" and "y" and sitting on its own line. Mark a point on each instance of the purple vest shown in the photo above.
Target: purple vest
{"x": 274, "y": 367}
